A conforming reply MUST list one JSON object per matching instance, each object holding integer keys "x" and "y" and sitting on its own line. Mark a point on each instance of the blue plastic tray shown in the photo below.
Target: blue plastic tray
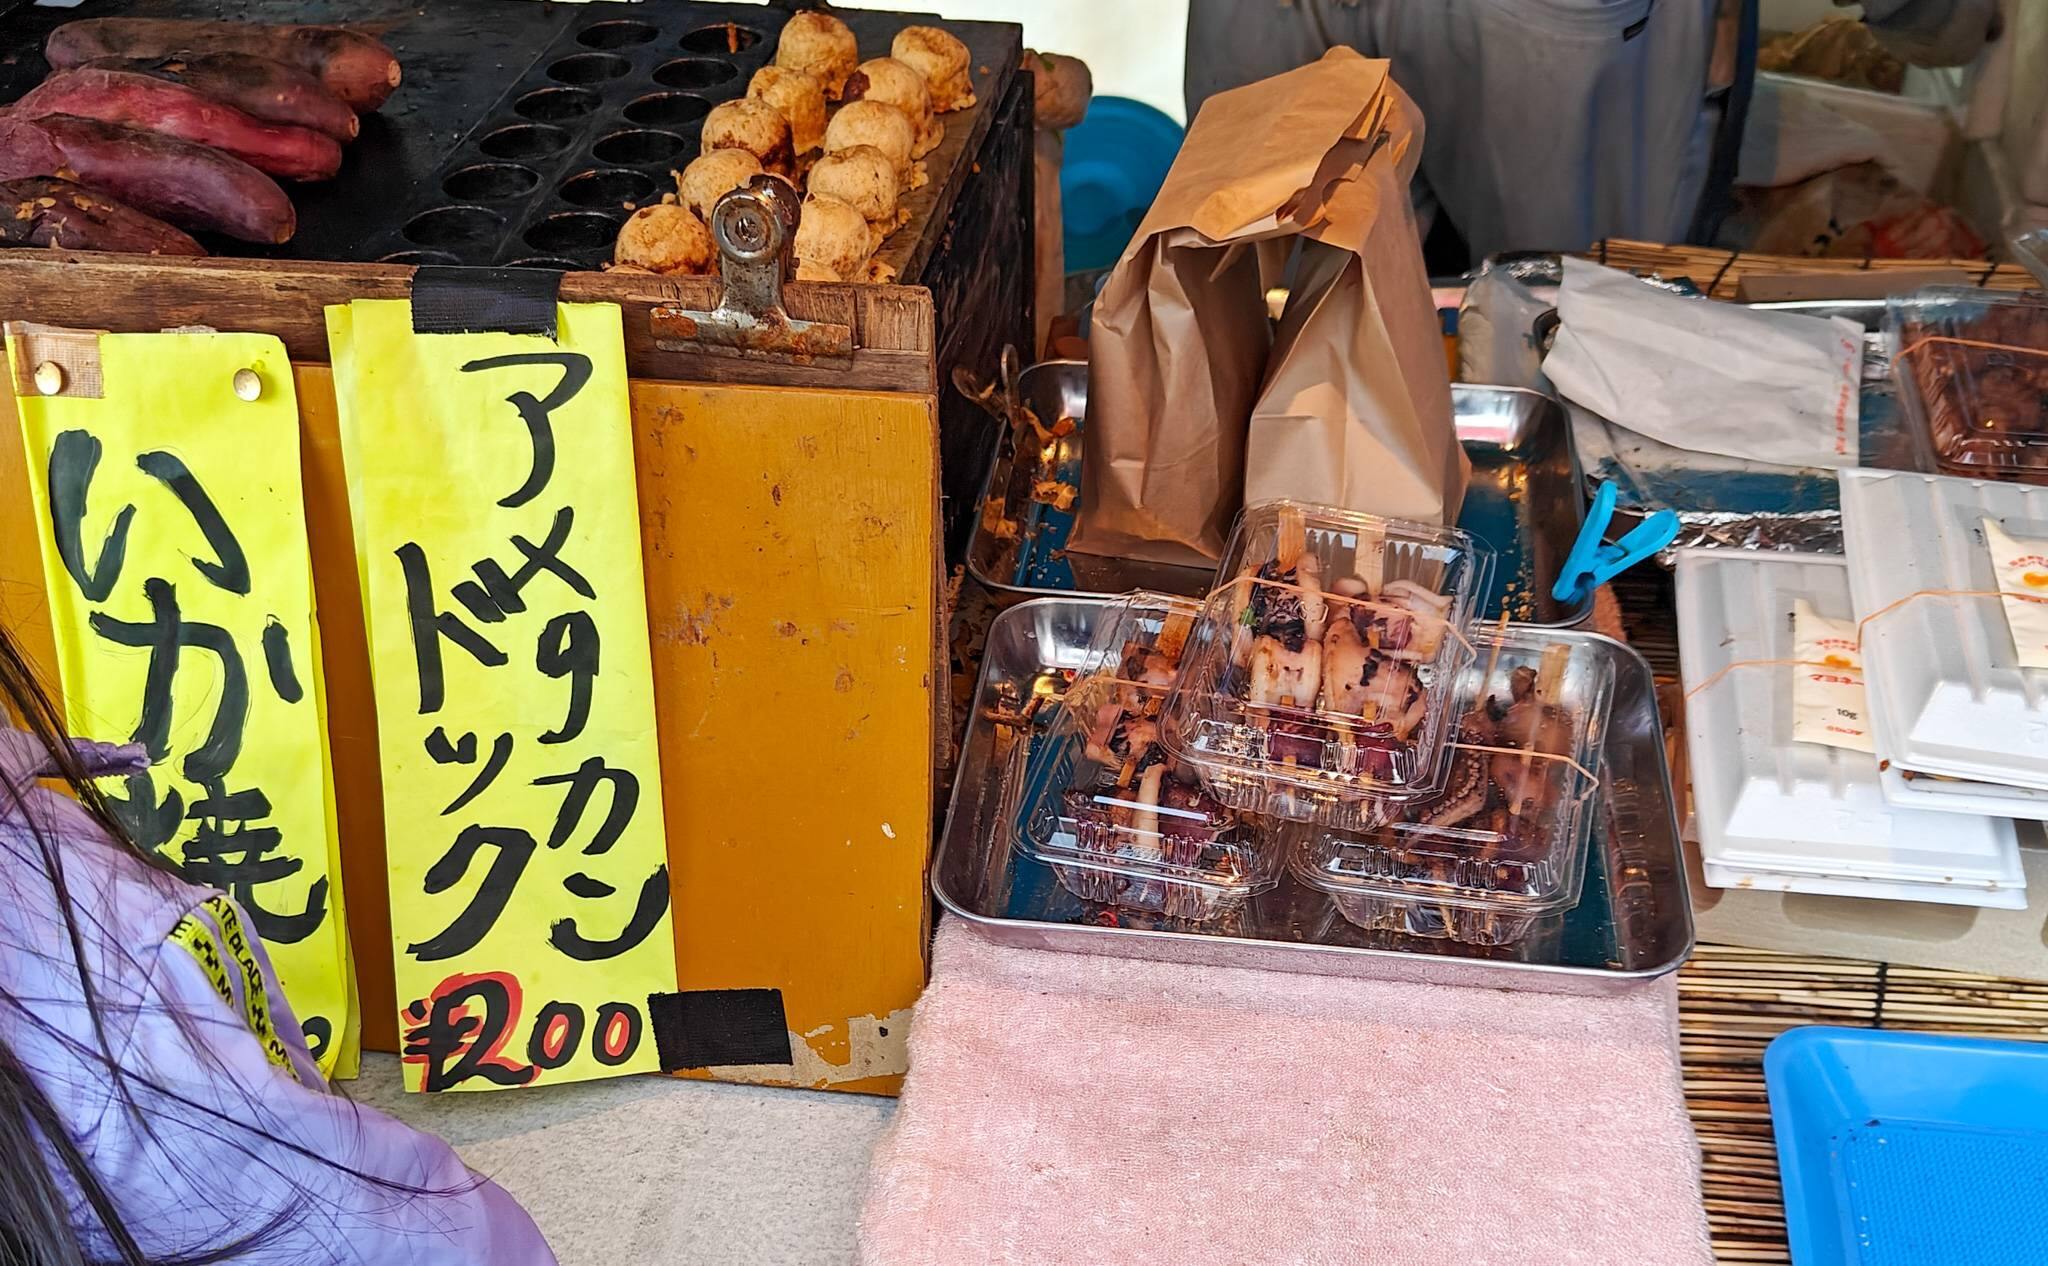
{"x": 1907, "y": 1149}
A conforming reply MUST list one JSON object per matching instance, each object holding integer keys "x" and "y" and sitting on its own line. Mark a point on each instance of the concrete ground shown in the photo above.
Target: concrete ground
{"x": 660, "y": 1171}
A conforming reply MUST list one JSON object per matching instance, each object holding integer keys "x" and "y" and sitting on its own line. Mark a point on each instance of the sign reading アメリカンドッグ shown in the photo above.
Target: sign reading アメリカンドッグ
{"x": 165, "y": 474}
{"x": 498, "y": 540}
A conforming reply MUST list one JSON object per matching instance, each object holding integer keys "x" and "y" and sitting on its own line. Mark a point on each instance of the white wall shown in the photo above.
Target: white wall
{"x": 1134, "y": 48}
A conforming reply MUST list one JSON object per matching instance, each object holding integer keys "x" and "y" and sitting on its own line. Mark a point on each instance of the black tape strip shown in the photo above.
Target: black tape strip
{"x": 715, "y": 1028}
{"x": 449, "y": 300}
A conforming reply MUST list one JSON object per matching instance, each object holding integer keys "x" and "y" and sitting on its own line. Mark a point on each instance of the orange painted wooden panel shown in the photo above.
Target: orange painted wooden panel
{"x": 792, "y": 561}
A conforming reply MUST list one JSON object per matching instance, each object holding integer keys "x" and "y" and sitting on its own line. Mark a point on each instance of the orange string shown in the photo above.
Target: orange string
{"x": 1878, "y": 614}
{"x": 1918, "y": 594}
{"x": 1372, "y": 604}
{"x": 1591, "y": 784}
{"x": 1759, "y": 663}
{"x": 1924, "y": 340}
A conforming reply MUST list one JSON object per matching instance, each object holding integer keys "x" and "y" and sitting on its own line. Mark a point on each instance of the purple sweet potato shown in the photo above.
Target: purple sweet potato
{"x": 354, "y": 67}
{"x": 192, "y": 186}
{"x": 157, "y": 105}
{"x": 45, "y": 211}
{"x": 259, "y": 87}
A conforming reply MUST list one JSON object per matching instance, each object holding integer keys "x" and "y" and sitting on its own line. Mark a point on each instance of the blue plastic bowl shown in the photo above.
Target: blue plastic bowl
{"x": 1116, "y": 159}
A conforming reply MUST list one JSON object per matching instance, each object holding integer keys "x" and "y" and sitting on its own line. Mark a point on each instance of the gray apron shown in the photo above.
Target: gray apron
{"x": 1549, "y": 124}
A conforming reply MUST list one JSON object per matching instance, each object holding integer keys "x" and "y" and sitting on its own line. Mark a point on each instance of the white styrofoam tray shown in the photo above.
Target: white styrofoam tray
{"x": 1877, "y": 889}
{"x": 1946, "y": 694}
{"x": 1769, "y": 806}
{"x": 1942, "y": 795}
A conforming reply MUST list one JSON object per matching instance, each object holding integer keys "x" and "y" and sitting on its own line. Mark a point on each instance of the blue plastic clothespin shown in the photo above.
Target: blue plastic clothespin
{"x": 1593, "y": 562}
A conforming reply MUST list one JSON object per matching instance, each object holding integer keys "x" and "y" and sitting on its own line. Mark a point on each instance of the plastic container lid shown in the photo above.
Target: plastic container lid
{"x": 1104, "y": 804}
{"x": 1317, "y": 684}
{"x": 1504, "y": 843}
{"x": 1141, "y": 625}
{"x": 1972, "y": 368}
{"x": 1719, "y": 876}
{"x": 1905, "y": 789}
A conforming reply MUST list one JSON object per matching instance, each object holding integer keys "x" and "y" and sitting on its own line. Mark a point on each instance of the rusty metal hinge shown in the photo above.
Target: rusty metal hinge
{"x": 754, "y": 226}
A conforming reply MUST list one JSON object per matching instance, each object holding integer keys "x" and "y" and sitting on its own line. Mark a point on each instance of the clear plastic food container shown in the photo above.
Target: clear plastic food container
{"x": 1972, "y": 370}
{"x": 1141, "y": 626}
{"x": 1106, "y": 806}
{"x": 1317, "y": 684}
{"x": 1103, "y": 808}
{"x": 1503, "y": 845}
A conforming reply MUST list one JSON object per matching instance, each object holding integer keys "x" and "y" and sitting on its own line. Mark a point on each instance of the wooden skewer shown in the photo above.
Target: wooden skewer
{"x": 1173, "y": 634}
{"x": 1493, "y": 657}
{"x": 1549, "y": 685}
{"x": 1550, "y": 673}
{"x": 1369, "y": 558}
{"x": 1291, "y": 538}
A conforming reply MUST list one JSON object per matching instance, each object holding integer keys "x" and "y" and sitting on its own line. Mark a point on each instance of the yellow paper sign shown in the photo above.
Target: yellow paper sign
{"x": 181, "y": 596}
{"x": 498, "y": 536}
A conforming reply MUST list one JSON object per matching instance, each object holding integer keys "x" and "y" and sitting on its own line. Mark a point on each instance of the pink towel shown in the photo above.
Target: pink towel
{"x": 1074, "y": 1108}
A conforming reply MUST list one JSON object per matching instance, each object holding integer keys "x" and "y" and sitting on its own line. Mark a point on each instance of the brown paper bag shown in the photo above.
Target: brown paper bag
{"x": 1197, "y": 403}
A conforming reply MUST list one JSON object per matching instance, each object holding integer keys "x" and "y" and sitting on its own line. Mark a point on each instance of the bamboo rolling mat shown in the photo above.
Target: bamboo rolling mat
{"x": 1732, "y": 1002}
{"x": 1719, "y": 272}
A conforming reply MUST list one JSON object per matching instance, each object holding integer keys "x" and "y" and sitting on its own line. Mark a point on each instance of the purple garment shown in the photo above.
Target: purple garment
{"x": 193, "y": 1178}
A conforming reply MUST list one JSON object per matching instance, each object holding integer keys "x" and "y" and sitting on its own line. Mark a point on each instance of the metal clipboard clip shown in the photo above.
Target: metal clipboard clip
{"x": 754, "y": 227}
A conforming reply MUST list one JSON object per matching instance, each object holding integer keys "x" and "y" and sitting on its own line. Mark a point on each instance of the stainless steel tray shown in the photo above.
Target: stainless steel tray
{"x": 1633, "y": 921}
{"x": 1013, "y": 555}
{"x": 1525, "y": 501}
{"x": 1526, "y": 498}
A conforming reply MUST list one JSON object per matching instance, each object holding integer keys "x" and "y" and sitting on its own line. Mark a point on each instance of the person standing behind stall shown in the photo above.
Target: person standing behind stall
{"x": 157, "y": 1102}
{"x": 1550, "y": 124}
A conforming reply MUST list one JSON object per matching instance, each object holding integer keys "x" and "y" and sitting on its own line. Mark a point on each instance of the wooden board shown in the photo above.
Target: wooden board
{"x": 24, "y": 604}
{"x": 790, "y": 544}
{"x": 892, "y": 325}
{"x": 793, "y": 575}
{"x": 351, "y": 706}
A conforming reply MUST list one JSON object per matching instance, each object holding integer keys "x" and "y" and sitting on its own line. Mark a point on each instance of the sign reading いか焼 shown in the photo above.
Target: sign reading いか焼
{"x": 164, "y": 469}
{"x": 498, "y": 540}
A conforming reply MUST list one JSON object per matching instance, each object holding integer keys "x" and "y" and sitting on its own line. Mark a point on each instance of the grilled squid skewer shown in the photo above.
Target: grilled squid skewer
{"x": 1345, "y": 663}
{"x": 1394, "y": 697}
{"x": 1425, "y": 628}
{"x": 1315, "y": 613}
{"x": 1145, "y": 822}
{"x": 1284, "y": 678}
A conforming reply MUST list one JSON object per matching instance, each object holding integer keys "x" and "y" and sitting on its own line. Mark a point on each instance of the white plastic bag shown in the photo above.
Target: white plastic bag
{"x": 1712, "y": 377}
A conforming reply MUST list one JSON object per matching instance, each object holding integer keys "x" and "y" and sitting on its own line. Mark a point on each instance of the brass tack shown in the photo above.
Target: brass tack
{"x": 49, "y": 378}
{"x": 248, "y": 384}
